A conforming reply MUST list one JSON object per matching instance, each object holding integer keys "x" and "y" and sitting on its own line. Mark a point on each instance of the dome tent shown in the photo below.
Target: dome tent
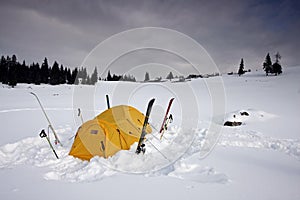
{"x": 115, "y": 129}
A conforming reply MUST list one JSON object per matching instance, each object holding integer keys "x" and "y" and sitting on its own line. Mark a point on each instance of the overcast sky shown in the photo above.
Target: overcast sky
{"x": 67, "y": 31}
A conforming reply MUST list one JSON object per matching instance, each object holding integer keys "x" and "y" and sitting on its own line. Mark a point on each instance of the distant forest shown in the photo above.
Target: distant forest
{"x": 13, "y": 72}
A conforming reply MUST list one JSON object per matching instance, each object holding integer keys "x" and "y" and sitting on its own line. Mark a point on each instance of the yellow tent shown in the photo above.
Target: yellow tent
{"x": 115, "y": 129}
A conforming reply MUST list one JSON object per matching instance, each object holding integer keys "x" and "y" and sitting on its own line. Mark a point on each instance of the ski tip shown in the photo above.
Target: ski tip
{"x": 151, "y": 101}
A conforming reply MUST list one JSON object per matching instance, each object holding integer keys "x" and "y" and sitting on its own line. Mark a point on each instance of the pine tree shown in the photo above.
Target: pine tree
{"x": 62, "y": 75}
{"x": 19, "y": 73}
{"x": 267, "y": 65}
{"x": 12, "y": 71}
{"x": 45, "y": 71}
{"x": 94, "y": 77}
{"x": 54, "y": 75}
{"x": 36, "y": 74}
{"x": 277, "y": 69}
{"x": 109, "y": 77}
{"x": 69, "y": 76}
{"x": 241, "y": 68}
{"x": 12, "y": 78}
{"x": 31, "y": 73}
{"x": 75, "y": 77}
{"x": 3, "y": 69}
{"x": 23, "y": 73}
{"x": 147, "y": 77}
{"x": 79, "y": 76}
{"x": 84, "y": 76}
{"x": 170, "y": 76}
{"x": 14, "y": 59}
{"x": 27, "y": 73}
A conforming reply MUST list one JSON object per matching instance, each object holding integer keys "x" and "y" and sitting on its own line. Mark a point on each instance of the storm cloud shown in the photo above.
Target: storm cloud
{"x": 67, "y": 31}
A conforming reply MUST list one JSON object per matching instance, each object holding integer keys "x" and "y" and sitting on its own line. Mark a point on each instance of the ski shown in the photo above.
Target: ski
{"x": 163, "y": 125}
{"x": 141, "y": 146}
{"x": 50, "y": 125}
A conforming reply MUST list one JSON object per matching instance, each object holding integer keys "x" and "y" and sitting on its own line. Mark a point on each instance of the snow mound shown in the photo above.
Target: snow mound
{"x": 248, "y": 116}
{"x": 172, "y": 157}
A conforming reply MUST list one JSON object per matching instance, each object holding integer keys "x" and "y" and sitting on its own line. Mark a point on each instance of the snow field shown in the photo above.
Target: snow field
{"x": 257, "y": 160}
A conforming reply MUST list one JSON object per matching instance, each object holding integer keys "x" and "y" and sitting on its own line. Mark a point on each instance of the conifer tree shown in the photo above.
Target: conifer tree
{"x": 241, "y": 68}
{"x": 12, "y": 75}
{"x": 84, "y": 76}
{"x": 45, "y": 71}
{"x": 62, "y": 75}
{"x": 21, "y": 72}
{"x": 267, "y": 65}
{"x": 75, "y": 76}
{"x": 170, "y": 76}
{"x": 55, "y": 74}
{"x": 31, "y": 73}
{"x": 14, "y": 59}
{"x": 26, "y": 72}
{"x": 36, "y": 74}
{"x": 69, "y": 76}
{"x": 109, "y": 77}
{"x": 94, "y": 77}
{"x": 3, "y": 69}
{"x": 277, "y": 69}
{"x": 147, "y": 77}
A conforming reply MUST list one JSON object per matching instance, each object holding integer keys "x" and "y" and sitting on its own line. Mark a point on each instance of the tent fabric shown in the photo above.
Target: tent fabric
{"x": 113, "y": 130}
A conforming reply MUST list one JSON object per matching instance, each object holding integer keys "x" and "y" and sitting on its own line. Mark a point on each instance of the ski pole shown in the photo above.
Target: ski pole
{"x": 44, "y": 135}
{"x": 50, "y": 125}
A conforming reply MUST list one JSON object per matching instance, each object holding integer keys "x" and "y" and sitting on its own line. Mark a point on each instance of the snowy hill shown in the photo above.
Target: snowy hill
{"x": 257, "y": 160}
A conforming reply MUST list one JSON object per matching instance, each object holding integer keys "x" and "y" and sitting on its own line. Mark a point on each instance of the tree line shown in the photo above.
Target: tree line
{"x": 268, "y": 67}
{"x": 115, "y": 77}
{"x": 13, "y": 72}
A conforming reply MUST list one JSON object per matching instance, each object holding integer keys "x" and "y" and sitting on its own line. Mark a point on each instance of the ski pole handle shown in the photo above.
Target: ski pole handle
{"x": 43, "y": 134}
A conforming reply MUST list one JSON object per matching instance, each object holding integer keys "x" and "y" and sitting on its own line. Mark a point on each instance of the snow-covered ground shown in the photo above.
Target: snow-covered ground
{"x": 258, "y": 160}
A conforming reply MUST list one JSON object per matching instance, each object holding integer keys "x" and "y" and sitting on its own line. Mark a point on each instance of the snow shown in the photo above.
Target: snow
{"x": 258, "y": 160}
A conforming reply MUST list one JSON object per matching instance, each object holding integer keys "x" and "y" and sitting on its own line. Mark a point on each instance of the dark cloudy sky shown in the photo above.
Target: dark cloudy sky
{"x": 68, "y": 30}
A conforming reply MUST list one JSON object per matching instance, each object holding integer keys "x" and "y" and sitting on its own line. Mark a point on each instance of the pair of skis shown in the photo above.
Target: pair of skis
{"x": 141, "y": 146}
